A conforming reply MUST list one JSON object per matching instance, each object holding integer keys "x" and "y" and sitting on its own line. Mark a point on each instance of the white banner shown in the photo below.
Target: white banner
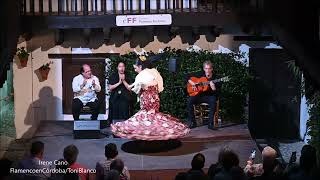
{"x": 144, "y": 20}
{"x": 86, "y": 125}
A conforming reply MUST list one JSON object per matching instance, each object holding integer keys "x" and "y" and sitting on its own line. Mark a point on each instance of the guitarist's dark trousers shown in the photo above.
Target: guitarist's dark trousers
{"x": 192, "y": 100}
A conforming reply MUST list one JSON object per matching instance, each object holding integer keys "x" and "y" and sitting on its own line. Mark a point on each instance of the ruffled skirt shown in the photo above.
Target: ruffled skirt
{"x": 148, "y": 123}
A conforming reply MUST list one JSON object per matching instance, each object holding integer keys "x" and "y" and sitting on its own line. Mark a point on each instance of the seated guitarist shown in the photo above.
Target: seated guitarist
{"x": 209, "y": 96}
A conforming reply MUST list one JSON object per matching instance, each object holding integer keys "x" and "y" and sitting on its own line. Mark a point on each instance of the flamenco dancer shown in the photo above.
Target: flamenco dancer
{"x": 148, "y": 123}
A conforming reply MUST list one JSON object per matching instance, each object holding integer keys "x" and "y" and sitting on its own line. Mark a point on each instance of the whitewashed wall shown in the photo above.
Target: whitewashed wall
{"x": 31, "y": 107}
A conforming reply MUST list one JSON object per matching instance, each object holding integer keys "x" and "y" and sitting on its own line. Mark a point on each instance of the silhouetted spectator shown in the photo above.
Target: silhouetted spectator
{"x": 237, "y": 173}
{"x": 34, "y": 162}
{"x": 226, "y": 160}
{"x": 70, "y": 154}
{"x": 198, "y": 161}
{"x": 112, "y": 175}
{"x": 103, "y": 166}
{"x": 307, "y": 169}
{"x": 196, "y": 170}
{"x": 71, "y": 176}
{"x": 63, "y": 173}
{"x": 269, "y": 168}
{"x": 118, "y": 165}
{"x": 196, "y": 175}
{"x": 214, "y": 169}
{"x": 5, "y": 165}
{"x": 181, "y": 176}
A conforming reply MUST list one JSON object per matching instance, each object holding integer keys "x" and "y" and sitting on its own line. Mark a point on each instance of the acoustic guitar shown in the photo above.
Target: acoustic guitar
{"x": 202, "y": 84}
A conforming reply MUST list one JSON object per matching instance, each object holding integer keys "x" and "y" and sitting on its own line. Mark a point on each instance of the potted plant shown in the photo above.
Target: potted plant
{"x": 23, "y": 56}
{"x": 44, "y": 70}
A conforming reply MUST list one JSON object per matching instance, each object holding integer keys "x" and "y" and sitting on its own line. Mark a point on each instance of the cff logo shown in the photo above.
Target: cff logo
{"x": 143, "y": 20}
{"x": 130, "y": 20}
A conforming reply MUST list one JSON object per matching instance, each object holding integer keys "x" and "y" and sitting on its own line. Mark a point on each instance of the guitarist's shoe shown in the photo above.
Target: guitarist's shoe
{"x": 192, "y": 125}
{"x": 212, "y": 127}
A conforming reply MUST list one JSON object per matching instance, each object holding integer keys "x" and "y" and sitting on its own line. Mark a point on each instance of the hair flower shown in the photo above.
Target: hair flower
{"x": 142, "y": 58}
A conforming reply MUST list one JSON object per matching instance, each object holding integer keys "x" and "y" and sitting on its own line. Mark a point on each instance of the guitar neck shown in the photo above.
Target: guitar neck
{"x": 214, "y": 81}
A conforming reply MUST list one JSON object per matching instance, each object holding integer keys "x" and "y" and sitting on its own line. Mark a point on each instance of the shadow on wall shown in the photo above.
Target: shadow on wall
{"x": 45, "y": 108}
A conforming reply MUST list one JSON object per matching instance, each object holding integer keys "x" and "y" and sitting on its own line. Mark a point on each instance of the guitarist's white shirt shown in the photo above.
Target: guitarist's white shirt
{"x": 147, "y": 77}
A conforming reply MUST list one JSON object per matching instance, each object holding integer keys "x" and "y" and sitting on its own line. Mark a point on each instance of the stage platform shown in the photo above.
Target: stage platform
{"x": 156, "y": 155}
{"x": 146, "y": 161}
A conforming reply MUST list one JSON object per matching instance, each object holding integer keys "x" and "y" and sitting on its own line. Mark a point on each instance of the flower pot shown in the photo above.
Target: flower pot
{"x": 23, "y": 61}
{"x": 44, "y": 73}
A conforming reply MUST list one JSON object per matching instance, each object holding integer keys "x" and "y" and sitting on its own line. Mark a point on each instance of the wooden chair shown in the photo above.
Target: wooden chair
{"x": 201, "y": 114}
{"x": 85, "y": 110}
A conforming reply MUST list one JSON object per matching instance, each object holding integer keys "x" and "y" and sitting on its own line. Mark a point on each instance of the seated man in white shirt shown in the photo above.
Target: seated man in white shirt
{"x": 84, "y": 86}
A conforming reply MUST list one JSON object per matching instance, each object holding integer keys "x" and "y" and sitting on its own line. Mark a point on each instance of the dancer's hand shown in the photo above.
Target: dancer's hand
{"x": 131, "y": 85}
{"x": 136, "y": 88}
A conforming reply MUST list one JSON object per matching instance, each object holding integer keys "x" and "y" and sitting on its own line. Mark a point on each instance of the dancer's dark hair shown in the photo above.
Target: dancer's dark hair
{"x": 144, "y": 64}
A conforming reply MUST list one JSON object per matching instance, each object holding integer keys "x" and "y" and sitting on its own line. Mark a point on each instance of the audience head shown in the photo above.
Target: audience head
{"x": 121, "y": 67}
{"x": 110, "y": 151}
{"x": 37, "y": 149}
{"x": 308, "y": 158}
{"x": 118, "y": 165}
{"x": 61, "y": 164}
{"x": 228, "y": 159}
{"x": 269, "y": 153}
{"x": 198, "y": 161}
{"x": 269, "y": 156}
{"x": 70, "y": 154}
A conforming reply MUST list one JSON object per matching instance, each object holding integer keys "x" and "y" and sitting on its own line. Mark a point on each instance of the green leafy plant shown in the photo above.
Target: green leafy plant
{"x": 174, "y": 97}
{"x": 313, "y": 102}
{"x": 46, "y": 66}
{"x": 22, "y": 53}
{"x": 313, "y": 123}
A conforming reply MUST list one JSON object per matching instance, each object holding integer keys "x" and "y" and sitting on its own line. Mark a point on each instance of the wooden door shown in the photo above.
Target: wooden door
{"x": 274, "y": 103}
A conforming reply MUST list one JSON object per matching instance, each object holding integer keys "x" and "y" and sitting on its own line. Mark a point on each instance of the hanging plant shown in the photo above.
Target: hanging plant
{"x": 23, "y": 56}
{"x": 44, "y": 70}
